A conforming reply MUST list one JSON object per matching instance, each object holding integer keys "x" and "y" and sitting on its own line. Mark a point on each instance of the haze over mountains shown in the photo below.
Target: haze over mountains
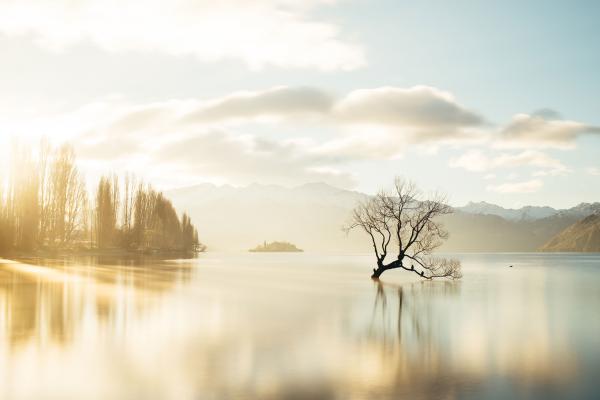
{"x": 583, "y": 235}
{"x": 312, "y": 215}
{"x": 528, "y": 212}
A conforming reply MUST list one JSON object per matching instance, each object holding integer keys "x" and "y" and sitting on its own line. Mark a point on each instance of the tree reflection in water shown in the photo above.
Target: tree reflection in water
{"x": 47, "y": 299}
{"x": 410, "y": 344}
{"x": 413, "y": 304}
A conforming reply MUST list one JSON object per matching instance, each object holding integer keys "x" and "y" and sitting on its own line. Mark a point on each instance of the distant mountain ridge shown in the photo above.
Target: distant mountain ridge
{"x": 582, "y": 236}
{"x": 312, "y": 216}
{"x": 528, "y": 212}
{"x": 309, "y": 215}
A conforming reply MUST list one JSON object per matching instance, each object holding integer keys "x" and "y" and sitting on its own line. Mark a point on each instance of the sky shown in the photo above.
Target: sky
{"x": 486, "y": 101}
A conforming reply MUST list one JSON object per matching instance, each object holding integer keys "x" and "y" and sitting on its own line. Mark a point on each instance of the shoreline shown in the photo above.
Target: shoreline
{"x": 111, "y": 252}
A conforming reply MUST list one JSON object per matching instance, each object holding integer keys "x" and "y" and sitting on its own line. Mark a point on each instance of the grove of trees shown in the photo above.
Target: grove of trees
{"x": 44, "y": 204}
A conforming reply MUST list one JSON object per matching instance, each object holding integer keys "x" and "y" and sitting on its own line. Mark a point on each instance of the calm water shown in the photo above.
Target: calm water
{"x": 295, "y": 326}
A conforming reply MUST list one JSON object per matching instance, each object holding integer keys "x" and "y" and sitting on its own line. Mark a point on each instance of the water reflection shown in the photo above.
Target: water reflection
{"x": 271, "y": 327}
{"x": 427, "y": 342}
{"x": 411, "y": 314}
{"x": 46, "y": 300}
{"x": 406, "y": 347}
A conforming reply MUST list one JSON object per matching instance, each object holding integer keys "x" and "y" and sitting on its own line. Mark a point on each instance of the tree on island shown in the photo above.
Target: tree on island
{"x": 403, "y": 223}
{"x": 275, "y": 247}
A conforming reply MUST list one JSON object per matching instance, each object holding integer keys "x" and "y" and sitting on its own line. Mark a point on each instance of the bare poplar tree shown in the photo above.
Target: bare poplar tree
{"x": 128, "y": 201}
{"x": 65, "y": 187}
{"x": 24, "y": 198}
{"x": 115, "y": 198}
{"x": 403, "y": 224}
{"x": 75, "y": 210}
{"x": 140, "y": 215}
{"x": 5, "y": 228}
{"x": 44, "y": 160}
{"x": 106, "y": 211}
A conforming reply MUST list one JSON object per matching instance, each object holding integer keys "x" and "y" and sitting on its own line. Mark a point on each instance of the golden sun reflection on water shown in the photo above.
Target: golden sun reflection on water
{"x": 302, "y": 326}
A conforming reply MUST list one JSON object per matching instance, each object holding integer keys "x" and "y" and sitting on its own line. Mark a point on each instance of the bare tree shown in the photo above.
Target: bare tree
{"x": 75, "y": 215}
{"x": 403, "y": 224}
{"x": 128, "y": 201}
{"x": 65, "y": 193}
{"x": 45, "y": 154}
{"x": 106, "y": 211}
{"x": 23, "y": 202}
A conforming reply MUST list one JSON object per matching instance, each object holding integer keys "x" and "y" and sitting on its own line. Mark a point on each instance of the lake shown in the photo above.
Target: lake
{"x": 299, "y": 326}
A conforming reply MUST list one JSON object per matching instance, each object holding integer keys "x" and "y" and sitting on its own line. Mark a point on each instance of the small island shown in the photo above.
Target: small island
{"x": 276, "y": 247}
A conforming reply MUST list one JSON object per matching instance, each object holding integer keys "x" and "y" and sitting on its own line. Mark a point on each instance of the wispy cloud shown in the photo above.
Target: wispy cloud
{"x": 530, "y": 186}
{"x": 244, "y": 135}
{"x": 426, "y": 113}
{"x": 279, "y": 102}
{"x": 281, "y": 33}
{"x": 478, "y": 161}
{"x": 595, "y": 171}
{"x": 242, "y": 159}
{"x": 372, "y": 123}
{"x": 543, "y": 130}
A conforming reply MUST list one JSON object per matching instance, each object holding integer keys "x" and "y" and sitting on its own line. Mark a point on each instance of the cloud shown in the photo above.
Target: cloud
{"x": 478, "y": 161}
{"x": 190, "y": 155}
{"x": 527, "y": 157}
{"x": 155, "y": 128}
{"x": 530, "y": 186}
{"x": 594, "y": 171}
{"x": 280, "y": 33}
{"x": 154, "y": 140}
{"x": 551, "y": 172}
{"x": 372, "y": 144}
{"x": 375, "y": 123}
{"x": 473, "y": 160}
{"x": 424, "y": 113}
{"x": 543, "y": 129}
{"x": 264, "y": 134}
{"x": 244, "y": 159}
{"x": 149, "y": 115}
{"x": 279, "y": 102}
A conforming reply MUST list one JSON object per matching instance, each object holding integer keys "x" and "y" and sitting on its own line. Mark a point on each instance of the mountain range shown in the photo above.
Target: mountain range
{"x": 583, "y": 235}
{"x": 528, "y": 212}
{"x": 312, "y": 216}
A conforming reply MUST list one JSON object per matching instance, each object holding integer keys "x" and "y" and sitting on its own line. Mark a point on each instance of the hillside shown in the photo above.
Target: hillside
{"x": 582, "y": 236}
{"x": 491, "y": 233}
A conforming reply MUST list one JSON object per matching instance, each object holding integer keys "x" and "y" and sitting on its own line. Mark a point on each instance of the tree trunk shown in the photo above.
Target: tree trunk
{"x": 381, "y": 268}
{"x": 377, "y": 272}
